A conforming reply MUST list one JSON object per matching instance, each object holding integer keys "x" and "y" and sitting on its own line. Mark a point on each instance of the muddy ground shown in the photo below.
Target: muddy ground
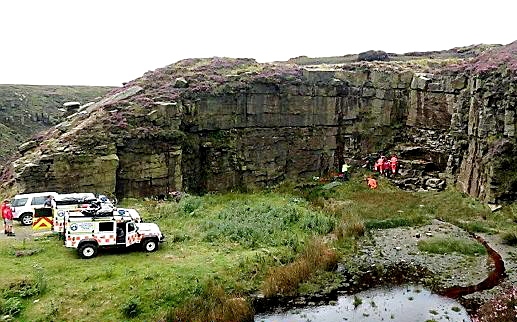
{"x": 396, "y": 245}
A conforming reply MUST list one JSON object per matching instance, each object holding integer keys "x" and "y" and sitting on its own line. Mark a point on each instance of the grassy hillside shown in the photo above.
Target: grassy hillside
{"x": 220, "y": 249}
{"x": 28, "y": 109}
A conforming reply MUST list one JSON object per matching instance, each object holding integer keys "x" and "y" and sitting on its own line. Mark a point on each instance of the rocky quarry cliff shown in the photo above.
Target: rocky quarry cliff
{"x": 221, "y": 124}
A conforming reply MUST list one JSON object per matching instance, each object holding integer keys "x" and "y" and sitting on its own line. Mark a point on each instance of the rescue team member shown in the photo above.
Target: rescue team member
{"x": 379, "y": 164}
{"x": 1, "y": 212}
{"x": 386, "y": 167}
{"x": 393, "y": 162}
{"x": 372, "y": 183}
{"x": 7, "y": 215}
{"x": 50, "y": 202}
{"x": 344, "y": 171}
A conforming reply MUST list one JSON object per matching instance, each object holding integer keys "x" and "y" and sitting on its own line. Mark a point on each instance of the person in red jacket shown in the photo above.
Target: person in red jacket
{"x": 393, "y": 163}
{"x": 7, "y": 215}
{"x": 3, "y": 205}
{"x": 379, "y": 165}
{"x": 371, "y": 182}
{"x": 386, "y": 167}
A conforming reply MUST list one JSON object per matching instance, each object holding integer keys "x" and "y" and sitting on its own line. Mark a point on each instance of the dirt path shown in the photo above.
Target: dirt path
{"x": 24, "y": 232}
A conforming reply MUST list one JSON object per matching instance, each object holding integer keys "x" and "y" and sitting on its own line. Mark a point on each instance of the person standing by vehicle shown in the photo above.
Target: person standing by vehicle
{"x": 1, "y": 212}
{"x": 7, "y": 215}
{"x": 50, "y": 202}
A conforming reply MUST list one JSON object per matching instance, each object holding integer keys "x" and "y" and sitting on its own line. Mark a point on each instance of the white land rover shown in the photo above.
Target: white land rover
{"x": 88, "y": 234}
{"x": 119, "y": 214}
{"x": 23, "y": 205}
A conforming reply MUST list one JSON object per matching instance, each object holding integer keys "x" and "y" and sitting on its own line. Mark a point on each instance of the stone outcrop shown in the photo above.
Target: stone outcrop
{"x": 222, "y": 124}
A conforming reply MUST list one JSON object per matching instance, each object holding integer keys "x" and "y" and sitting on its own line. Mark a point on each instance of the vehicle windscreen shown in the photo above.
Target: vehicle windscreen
{"x": 19, "y": 202}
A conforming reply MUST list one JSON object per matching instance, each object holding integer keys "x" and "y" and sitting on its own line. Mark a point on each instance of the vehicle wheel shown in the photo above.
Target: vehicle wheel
{"x": 26, "y": 219}
{"x": 150, "y": 245}
{"x": 87, "y": 250}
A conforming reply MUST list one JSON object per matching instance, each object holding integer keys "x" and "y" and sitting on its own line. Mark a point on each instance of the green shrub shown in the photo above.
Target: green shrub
{"x": 131, "y": 308}
{"x": 26, "y": 287}
{"x": 189, "y": 204}
{"x": 11, "y": 306}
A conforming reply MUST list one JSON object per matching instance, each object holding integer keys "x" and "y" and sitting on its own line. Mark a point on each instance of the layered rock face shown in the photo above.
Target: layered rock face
{"x": 224, "y": 124}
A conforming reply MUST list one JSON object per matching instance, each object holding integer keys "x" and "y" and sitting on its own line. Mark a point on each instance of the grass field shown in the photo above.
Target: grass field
{"x": 221, "y": 248}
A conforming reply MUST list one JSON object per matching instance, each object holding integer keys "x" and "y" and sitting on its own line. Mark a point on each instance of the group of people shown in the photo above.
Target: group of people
{"x": 7, "y": 216}
{"x": 387, "y": 166}
{"x": 383, "y": 166}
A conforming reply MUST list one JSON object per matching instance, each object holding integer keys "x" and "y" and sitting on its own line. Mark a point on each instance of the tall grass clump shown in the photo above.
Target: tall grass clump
{"x": 212, "y": 304}
{"x": 261, "y": 223}
{"x": 510, "y": 238}
{"x": 395, "y": 222}
{"x": 189, "y": 204}
{"x": 350, "y": 227}
{"x": 449, "y": 245}
{"x": 284, "y": 280}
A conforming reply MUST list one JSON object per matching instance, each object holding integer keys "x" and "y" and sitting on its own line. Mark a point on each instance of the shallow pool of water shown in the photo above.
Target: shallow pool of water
{"x": 408, "y": 303}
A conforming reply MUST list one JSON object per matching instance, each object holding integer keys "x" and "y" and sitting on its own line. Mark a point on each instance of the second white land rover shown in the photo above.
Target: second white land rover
{"x": 23, "y": 205}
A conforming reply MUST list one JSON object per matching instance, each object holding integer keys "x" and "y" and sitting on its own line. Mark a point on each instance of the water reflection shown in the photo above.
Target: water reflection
{"x": 408, "y": 303}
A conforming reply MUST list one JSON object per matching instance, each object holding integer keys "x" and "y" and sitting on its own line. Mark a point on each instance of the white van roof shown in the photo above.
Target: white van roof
{"x": 36, "y": 194}
{"x": 78, "y": 195}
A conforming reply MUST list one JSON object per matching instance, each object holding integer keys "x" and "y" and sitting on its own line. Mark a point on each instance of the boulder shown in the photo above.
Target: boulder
{"x": 373, "y": 55}
{"x": 435, "y": 183}
{"x": 180, "y": 82}
{"x": 27, "y": 146}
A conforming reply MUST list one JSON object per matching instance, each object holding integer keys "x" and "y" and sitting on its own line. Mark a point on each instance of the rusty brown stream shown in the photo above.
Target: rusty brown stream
{"x": 493, "y": 278}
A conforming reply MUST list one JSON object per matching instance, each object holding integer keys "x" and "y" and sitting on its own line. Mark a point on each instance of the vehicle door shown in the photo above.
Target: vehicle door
{"x": 42, "y": 218}
{"x": 59, "y": 221}
{"x": 132, "y": 236}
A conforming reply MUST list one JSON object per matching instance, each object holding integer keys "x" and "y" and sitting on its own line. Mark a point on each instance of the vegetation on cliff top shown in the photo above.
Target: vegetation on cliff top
{"x": 218, "y": 75}
{"x": 494, "y": 58}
